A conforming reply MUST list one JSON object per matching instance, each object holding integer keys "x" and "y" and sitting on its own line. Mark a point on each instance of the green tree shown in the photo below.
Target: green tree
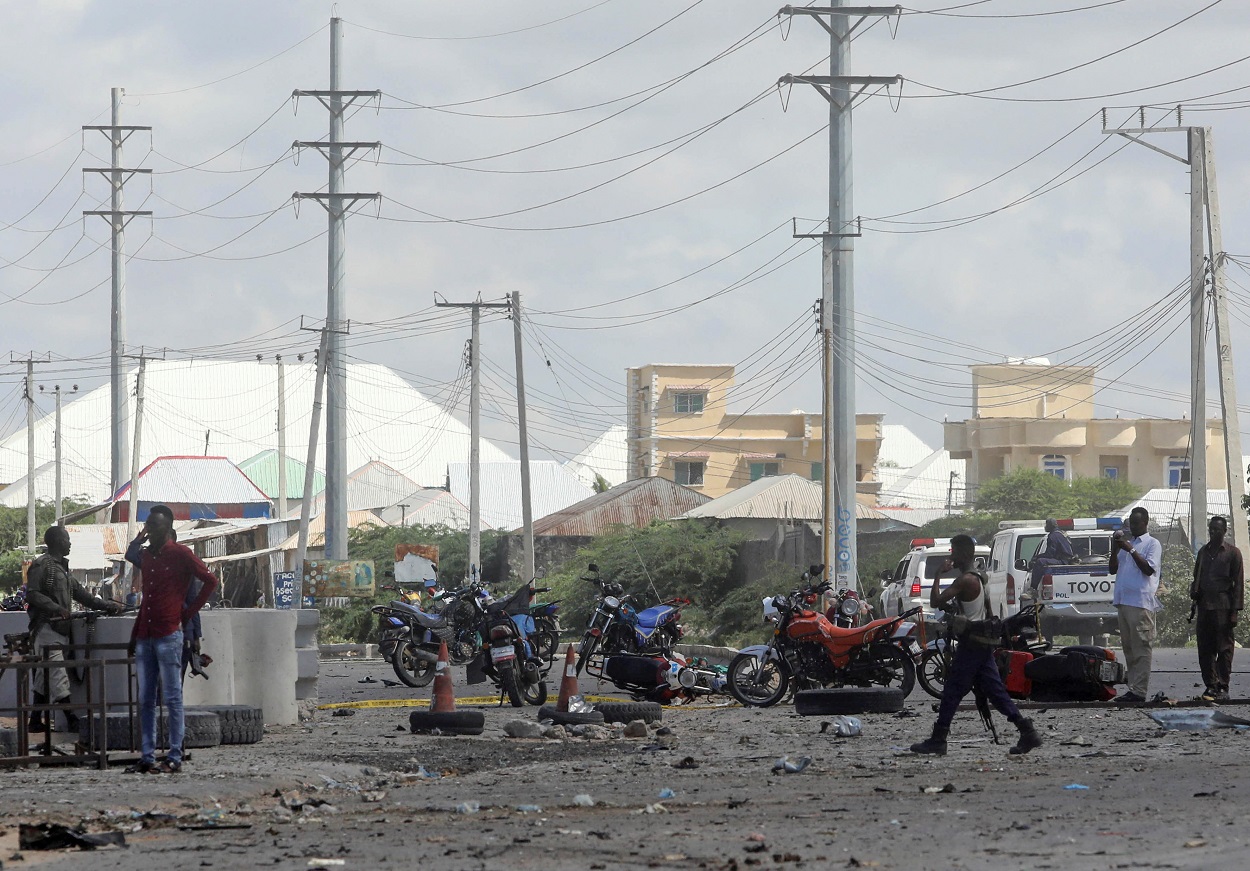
{"x": 690, "y": 558}
{"x": 13, "y": 534}
{"x": 1032, "y": 494}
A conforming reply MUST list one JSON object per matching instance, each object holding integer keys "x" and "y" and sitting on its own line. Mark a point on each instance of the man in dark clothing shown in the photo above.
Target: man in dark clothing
{"x": 1218, "y": 594}
{"x": 973, "y": 663}
{"x": 1055, "y": 551}
{"x": 168, "y": 570}
{"x": 50, "y": 592}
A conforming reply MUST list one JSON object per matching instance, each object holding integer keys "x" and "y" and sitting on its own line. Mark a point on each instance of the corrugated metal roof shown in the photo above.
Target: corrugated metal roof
{"x": 263, "y": 470}
{"x": 1171, "y": 505}
{"x": 235, "y": 403}
{"x": 201, "y": 480}
{"x": 634, "y": 503}
{"x": 552, "y": 487}
{"x": 786, "y": 497}
{"x": 608, "y": 456}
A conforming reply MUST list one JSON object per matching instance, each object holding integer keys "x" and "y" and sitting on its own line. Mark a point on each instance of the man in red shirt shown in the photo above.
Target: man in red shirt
{"x": 156, "y": 640}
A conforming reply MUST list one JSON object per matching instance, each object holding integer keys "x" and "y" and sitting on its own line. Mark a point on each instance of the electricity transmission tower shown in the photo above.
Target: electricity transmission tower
{"x": 337, "y": 204}
{"x": 838, "y": 297}
{"x": 118, "y": 218}
{"x": 1206, "y": 277}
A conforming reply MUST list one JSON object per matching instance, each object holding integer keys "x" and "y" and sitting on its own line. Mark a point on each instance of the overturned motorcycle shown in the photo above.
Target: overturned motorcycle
{"x": 668, "y": 678}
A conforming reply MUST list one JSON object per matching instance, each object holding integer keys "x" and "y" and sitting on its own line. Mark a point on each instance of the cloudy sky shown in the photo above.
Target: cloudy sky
{"x": 630, "y": 168}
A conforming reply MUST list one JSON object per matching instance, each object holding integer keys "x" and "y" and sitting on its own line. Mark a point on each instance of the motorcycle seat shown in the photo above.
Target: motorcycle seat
{"x": 429, "y": 621}
{"x": 652, "y": 617}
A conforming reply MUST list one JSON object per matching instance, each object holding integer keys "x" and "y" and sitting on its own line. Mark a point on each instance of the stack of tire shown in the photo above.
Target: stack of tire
{"x": 205, "y": 726}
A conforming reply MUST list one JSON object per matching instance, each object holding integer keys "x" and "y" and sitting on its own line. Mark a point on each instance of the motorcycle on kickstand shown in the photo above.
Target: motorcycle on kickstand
{"x": 506, "y": 656}
{"x": 410, "y": 637}
{"x": 616, "y": 626}
{"x": 809, "y": 652}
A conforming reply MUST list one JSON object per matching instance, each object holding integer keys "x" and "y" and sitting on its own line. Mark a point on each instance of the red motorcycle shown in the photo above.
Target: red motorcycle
{"x": 808, "y": 650}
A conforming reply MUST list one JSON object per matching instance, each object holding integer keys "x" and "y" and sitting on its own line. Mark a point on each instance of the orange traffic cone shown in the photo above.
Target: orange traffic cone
{"x": 444, "y": 699}
{"x": 568, "y": 683}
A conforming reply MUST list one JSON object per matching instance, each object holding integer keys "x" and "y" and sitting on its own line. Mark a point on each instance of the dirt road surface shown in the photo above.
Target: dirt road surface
{"x": 361, "y": 792}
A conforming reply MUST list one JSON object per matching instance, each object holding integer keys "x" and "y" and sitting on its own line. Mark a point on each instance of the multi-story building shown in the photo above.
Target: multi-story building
{"x": 1030, "y": 414}
{"x": 680, "y": 428}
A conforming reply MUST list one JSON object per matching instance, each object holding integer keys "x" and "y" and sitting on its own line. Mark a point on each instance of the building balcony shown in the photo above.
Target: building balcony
{"x": 1171, "y": 436}
{"x": 1043, "y": 435}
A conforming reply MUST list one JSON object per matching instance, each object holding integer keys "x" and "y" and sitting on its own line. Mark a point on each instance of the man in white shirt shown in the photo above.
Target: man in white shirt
{"x": 1136, "y": 559}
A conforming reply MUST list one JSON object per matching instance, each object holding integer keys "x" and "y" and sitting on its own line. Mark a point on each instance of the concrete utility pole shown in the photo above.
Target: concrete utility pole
{"x": 475, "y": 431}
{"x": 523, "y": 440}
{"x": 1224, "y": 344}
{"x": 117, "y": 218}
{"x": 337, "y": 205}
{"x": 57, "y": 442}
{"x": 301, "y": 547}
{"x": 1205, "y": 243}
{"x": 282, "y": 507}
{"x": 838, "y": 298}
{"x": 133, "y": 509}
{"x": 30, "y": 456}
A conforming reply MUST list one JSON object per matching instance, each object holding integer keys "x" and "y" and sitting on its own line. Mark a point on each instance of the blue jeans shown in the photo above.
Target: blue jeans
{"x": 159, "y": 661}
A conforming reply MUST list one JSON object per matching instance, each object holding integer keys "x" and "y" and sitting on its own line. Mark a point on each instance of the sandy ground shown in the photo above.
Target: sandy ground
{"x": 1154, "y": 799}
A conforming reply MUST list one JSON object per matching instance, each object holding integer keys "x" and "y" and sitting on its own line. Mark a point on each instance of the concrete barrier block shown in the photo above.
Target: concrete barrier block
{"x": 308, "y": 664}
{"x": 307, "y": 620}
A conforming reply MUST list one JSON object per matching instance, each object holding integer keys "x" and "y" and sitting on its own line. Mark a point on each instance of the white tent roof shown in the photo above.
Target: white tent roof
{"x": 373, "y": 486}
{"x": 925, "y": 484}
{"x": 607, "y": 455}
{"x": 900, "y": 447}
{"x": 76, "y": 480}
{"x": 233, "y": 406}
{"x": 427, "y": 507}
{"x": 552, "y": 487}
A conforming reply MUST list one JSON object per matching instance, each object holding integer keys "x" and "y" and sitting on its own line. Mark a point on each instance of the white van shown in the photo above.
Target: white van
{"x": 909, "y": 584}
{"x": 1078, "y": 596}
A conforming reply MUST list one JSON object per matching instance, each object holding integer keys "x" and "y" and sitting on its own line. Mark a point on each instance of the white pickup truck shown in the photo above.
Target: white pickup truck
{"x": 1077, "y": 596}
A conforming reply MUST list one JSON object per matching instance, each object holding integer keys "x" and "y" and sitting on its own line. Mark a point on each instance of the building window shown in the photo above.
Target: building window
{"x": 1057, "y": 465}
{"x": 765, "y": 470}
{"x": 688, "y": 403}
{"x": 1111, "y": 472}
{"x": 1178, "y": 472}
{"x": 818, "y": 471}
{"x": 688, "y": 474}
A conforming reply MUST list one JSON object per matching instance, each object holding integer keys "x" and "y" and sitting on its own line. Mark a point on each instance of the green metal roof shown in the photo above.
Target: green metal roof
{"x": 263, "y": 470}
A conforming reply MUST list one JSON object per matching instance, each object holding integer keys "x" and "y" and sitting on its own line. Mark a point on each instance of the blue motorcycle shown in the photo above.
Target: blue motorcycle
{"x": 507, "y": 656}
{"x": 410, "y": 637}
{"x": 617, "y": 627}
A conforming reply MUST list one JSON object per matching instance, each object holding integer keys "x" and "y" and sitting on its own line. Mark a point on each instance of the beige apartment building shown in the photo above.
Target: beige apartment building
{"x": 680, "y": 428}
{"x": 1034, "y": 415}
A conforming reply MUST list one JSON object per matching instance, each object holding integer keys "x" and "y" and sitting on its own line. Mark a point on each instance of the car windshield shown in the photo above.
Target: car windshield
{"x": 933, "y": 564}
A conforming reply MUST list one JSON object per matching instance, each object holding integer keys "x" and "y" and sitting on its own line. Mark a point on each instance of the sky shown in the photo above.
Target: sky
{"x": 631, "y": 169}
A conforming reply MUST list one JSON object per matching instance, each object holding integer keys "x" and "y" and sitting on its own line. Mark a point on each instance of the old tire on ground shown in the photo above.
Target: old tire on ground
{"x": 447, "y": 722}
{"x": 240, "y": 724}
{"x": 849, "y": 700}
{"x": 201, "y": 729}
{"x": 627, "y": 712}
{"x": 567, "y": 718}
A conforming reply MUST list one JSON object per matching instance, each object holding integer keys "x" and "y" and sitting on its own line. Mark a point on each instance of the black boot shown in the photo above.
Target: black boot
{"x": 36, "y": 717}
{"x": 1029, "y": 737}
{"x": 71, "y": 719}
{"x": 935, "y": 743}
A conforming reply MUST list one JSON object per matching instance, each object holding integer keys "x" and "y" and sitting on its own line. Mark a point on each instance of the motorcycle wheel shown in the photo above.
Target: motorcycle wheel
{"x": 894, "y": 668}
{"x": 508, "y": 683}
{"x": 412, "y": 671}
{"x": 545, "y": 642}
{"x": 757, "y": 685}
{"x": 586, "y": 650}
{"x": 932, "y": 672}
{"x": 533, "y": 687}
